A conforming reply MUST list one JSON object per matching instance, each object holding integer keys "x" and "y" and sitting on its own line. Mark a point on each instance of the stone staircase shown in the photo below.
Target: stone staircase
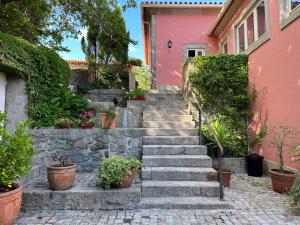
{"x": 175, "y": 164}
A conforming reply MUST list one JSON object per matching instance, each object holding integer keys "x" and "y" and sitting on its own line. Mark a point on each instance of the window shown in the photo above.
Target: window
{"x": 225, "y": 48}
{"x": 289, "y": 11}
{"x": 195, "y": 52}
{"x": 251, "y": 30}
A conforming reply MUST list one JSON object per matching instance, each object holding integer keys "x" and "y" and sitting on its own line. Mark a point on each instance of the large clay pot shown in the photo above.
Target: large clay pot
{"x": 127, "y": 181}
{"x": 64, "y": 125}
{"x": 104, "y": 121}
{"x": 282, "y": 182}
{"x": 10, "y": 203}
{"x": 61, "y": 177}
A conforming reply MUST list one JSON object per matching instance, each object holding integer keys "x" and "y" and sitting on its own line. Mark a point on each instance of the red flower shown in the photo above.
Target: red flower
{"x": 86, "y": 115}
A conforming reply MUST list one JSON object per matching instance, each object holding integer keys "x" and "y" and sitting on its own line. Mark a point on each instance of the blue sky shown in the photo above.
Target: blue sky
{"x": 134, "y": 26}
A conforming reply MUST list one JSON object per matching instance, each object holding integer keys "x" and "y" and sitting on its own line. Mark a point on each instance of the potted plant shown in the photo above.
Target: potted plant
{"x": 118, "y": 171}
{"x": 16, "y": 153}
{"x": 109, "y": 118}
{"x": 282, "y": 180}
{"x": 294, "y": 195}
{"x": 226, "y": 175}
{"x": 136, "y": 94}
{"x": 61, "y": 175}
{"x": 254, "y": 160}
{"x": 87, "y": 120}
{"x": 63, "y": 123}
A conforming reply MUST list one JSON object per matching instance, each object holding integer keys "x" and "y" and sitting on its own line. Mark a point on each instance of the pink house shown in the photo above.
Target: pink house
{"x": 267, "y": 30}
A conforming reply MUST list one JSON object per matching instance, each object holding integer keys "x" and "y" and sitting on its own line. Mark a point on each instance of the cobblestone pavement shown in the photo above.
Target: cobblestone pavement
{"x": 253, "y": 199}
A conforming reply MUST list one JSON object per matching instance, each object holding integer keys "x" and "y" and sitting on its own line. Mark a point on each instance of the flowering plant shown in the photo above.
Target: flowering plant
{"x": 87, "y": 117}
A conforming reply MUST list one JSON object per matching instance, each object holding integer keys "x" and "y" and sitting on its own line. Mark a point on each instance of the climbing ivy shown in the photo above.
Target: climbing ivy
{"x": 46, "y": 76}
{"x": 222, "y": 81}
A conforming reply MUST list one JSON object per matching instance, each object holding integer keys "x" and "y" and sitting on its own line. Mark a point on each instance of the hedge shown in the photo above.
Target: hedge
{"x": 45, "y": 73}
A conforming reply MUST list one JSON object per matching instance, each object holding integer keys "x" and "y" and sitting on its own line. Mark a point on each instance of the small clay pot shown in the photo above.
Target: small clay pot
{"x": 104, "y": 118}
{"x": 61, "y": 177}
{"x": 126, "y": 183}
{"x": 282, "y": 182}
{"x": 141, "y": 98}
{"x": 63, "y": 125}
{"x": 10, "y": 204}
{"x": 226, "y": 178}
{"x": 87, "y": 125}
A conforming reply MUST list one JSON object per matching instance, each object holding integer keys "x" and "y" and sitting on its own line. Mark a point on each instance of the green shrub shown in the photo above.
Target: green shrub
{"x": 133, "y": 94}
{"x": 294, "y": 194}
{"x": 46, "y": 76}
{"x": 222, "y": 82}
{"x": 113, "y": 170}
{"x": 16, "y": 153}
{"x": 142, "y": 76}
{"x": 135, "y": 62}
{"x": 113, "y": 76}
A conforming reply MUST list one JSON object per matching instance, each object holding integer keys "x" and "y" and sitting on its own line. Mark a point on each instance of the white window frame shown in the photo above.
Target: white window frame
{"x": 186, "y": 47}
{"x": 242, "y": 21}
{"x": 223, "y": 42}
{"x": 196, "y": 51}
{"x": 286, "y": 14}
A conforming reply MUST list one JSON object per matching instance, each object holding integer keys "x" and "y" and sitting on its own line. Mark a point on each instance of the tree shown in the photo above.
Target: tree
{"x": 45, "y": 22}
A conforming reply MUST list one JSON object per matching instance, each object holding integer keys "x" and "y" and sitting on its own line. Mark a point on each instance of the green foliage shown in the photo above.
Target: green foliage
{"x": 142, "y": 76}
{"x": 260, "y": 136}
{"x": 115, "y": 169}
{"x": 113, "y": 76}
{"x": 16, "y": 152}
{"x": 135, "y": 62}
{"x": 294, "y": 194}
{"x": 133, "y": 94}
{"x": 222, "y": 82}
{"x": 47, "y": 80}
{"x": 229, "y": 138}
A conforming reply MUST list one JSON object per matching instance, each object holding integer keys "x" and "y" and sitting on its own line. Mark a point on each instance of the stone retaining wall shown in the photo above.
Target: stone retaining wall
{"x": 86, "y": 147}
{"x": 105, "y": 95}
{"x": 237, "y": 165}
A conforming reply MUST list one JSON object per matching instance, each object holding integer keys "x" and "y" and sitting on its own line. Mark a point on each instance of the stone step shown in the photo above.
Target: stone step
{"x": 163, "y": 97}
{"x": 179, "y": 118}
{"x": 165, "y": 107}
{"x": 180, "y": 188}
{"x": 165, "y": 112}
{"x": 176, "y": 173}
{"x": 170, "y": 140}
{"x": 85, "y": 194}
{"x": 164, "y": 91}
{"x": 168, "y": 124}
{"x": 184, "y": 203}
{"x": 166, "y": 103}
{"x": 174, "y": 150}
{"x": 177, "y": 161}
{"x": 171, "y": 132}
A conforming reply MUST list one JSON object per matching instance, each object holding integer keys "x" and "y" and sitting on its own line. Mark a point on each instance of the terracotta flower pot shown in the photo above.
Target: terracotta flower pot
{"x": 127, "y": 181}
{"x": 61, "y": 177}
{"x": 142, "y": 98}
{"x": 87, "y": 125}
{"x": 10, "y": 203}
{"x": 226, "y": 178}
{"x": 104, "y": 121}
{"x": 64, "y": 125}
{"x": 282, "y": 182}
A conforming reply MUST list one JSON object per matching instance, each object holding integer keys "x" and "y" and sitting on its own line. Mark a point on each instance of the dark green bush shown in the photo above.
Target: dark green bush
{"x": 222, "y": 81}
{"x": 46, "y": 76}
{"x": 113, "y": 76}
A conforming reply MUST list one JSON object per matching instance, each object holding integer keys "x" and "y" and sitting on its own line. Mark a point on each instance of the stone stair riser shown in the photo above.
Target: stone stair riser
{"x": 157, "y": 162}
{"x": 174, "y": 150}
{"x": 171, "y": 132}
{"x": 179, "y": 118}
{"x": 171, "y": 140}
{"x": 165, "y": 112}
{"x": 169, "y": 124}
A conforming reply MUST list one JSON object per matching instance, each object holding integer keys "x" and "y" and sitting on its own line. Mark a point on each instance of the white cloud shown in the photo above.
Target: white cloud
{"x": 83, "y": 33}
{"x": 132, "y": 48}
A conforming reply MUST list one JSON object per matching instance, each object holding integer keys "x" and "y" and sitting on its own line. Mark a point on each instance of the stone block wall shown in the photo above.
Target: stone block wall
{"x": 237, "y": 165}
{"x": 105, "y": 95}
{"x": 86, "y": 147}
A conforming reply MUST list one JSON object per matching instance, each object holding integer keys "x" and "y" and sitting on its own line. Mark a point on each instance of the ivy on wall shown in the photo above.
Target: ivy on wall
{"x": 46, "y": 76}
{"x": 222, "y": 81}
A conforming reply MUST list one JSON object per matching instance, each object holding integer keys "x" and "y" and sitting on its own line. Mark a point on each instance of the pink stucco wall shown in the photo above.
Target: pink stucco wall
{"x": 181, "y": 29}
{"x": 274, "y": 69}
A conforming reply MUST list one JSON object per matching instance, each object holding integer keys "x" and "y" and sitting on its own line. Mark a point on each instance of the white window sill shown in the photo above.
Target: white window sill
{"x": 284, "y": 21}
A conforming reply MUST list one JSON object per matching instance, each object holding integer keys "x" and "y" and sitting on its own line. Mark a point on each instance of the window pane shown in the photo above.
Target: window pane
{"x": 191, "y": 53}
{"x": 241, "y": 38}
{"x": 250, "y": 29}
{"x": 294, "y": 4}
{"x": 261, "y": 20}
{"x": 200, "y": 53}
{"x": 225, "y": 48}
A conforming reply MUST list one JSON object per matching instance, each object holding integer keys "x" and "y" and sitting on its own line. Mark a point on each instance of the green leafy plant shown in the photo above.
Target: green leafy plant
{"x": 279, "y": 141}
{"x": 16, "y": 153}
{"x": 294, "y": 194}
{"x": 135, "y": 62}
{"x": 133, "y": 94}
{"x": 110, "y": 114}
{"x": 142, "y": 76}
{"x": 115, "y": 169}
{"x": 260, "y": 136}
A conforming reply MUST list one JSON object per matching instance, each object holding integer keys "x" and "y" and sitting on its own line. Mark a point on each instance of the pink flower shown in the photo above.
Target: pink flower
{"x": 86, "y": 115}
